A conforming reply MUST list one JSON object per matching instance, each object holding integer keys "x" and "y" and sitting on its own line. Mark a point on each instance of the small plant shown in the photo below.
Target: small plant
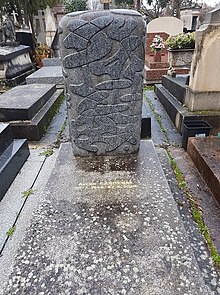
{"x": 27, "y": 193}
{"x": 47, "y": 153}
{"x": 181, "y": 41}
{"x": 10, "y": 232}
{"x": 157, "y": 43}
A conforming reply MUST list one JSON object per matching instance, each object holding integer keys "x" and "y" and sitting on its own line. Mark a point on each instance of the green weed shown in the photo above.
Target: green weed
{"x": 27, "y": 193}
{"x": 10, "y": 232}
{"x": 157, "y": 117}
{"x": 47, "y": 153}
{"x": 196, "y": 213}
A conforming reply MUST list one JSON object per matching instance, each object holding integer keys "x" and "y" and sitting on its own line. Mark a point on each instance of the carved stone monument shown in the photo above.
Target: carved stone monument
{"x": 103, "y": 60}
{"x": 8, "y": 33}
{"x": 203, "y": 92}
{"x": 15, "y": 62}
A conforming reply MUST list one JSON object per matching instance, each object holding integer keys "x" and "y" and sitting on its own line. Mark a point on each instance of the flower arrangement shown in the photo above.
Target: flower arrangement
{"x": 181, "y": 41}
{"x": 42, "y": 51}
{"x": 157, "y": 43}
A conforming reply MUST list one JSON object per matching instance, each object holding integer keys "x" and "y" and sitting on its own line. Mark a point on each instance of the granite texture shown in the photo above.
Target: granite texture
{"x": 51, "y": 62}
{"x": 13, "y": 154}
{"x": 176, "y": 86}
{"x": 23, "y": 102}
{"x": 103, "y": 59}
{"x": 47, "y": 75}
{"x": 178, "y": 112}
{"x": 36, "y": 127}
{"x": 6, "y": 137}
{"x": 10, "y": 52}
{"x": 108, "y": 225}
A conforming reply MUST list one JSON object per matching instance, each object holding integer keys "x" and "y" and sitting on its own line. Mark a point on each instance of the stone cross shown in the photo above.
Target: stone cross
{"x": 103, "y": 58}
{"x": 14, "y": 16}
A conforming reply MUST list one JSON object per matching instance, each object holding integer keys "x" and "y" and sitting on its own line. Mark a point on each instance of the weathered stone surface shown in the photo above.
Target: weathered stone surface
{"x": 205, "y": 153}
{"x": 103, "y": 59}
{"x": 203, "y": 93}
{"x": 107, "y": 225}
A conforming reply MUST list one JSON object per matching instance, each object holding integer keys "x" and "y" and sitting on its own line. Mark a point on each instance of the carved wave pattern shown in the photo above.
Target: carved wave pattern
{"x": 109, "y": 96}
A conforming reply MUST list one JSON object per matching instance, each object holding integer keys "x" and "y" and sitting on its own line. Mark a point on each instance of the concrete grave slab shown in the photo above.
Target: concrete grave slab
{"x": 107, "y": 224}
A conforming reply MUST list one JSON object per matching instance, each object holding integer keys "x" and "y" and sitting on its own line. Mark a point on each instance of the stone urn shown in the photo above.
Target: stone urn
{"x": 180, "y": 58}
{"x": 157, "y": 56}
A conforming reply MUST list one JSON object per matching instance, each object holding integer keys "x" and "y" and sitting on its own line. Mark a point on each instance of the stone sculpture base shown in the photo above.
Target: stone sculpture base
{"x": 202, "y": 100}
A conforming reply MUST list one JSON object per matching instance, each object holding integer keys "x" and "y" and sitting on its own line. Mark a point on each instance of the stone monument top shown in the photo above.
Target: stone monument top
{"x": 8, "y": 33}
{"x": 213, "y": 17}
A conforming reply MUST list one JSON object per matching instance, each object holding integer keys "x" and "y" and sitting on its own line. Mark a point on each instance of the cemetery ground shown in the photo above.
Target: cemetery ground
{"x": 193, "y": 200}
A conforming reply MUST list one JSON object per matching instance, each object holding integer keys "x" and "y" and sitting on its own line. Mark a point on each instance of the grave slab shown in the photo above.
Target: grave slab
{"x": 205, "y": 153}
{"x": 13, "y": 154}
{"x": 29, "y": 109}
{"x": 23, "y": 102}
{"x": 107, "y": 225}
{"x": 47, "y": 75}
{"x": 178, "y": 111}
{"x": 15, "y": 64}
{"x": 50, "y": 62}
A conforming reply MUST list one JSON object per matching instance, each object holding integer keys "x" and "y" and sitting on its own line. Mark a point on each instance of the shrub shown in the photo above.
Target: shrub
{"x": 181, "y": 41}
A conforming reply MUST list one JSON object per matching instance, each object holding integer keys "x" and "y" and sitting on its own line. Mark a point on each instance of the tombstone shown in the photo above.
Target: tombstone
{"x": 55, "y": 44}
{"x": 25, "y": 37}
{"x": 170, "y": 25}
{"x": 164, "y": 27}
{"x": 103, "y": 57}
{"x": 204, "y": 88}
{"x": 49, "y": 74}
{"x": 30, "y": 108}
{"x": 50, "y": 26}
{"x": 15, "y": 62}
{"x": 13, "y": 154}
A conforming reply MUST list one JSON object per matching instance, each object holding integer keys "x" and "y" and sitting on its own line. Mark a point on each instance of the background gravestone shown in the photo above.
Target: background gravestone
{"x": 204, "y": 88}
{"x": 103, "y": 60}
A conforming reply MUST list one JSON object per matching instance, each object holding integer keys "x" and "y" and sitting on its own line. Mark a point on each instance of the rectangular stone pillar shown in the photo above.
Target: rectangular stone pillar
{"x": 203, "y": 93}
{"x": 103, "y": 60}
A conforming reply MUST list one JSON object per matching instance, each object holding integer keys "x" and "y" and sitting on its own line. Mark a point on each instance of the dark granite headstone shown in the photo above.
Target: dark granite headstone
{"x": 29, "y": 109}
{"x": 103, "y": 60}
{"x": 15, "y": 64}
{"x": 25, "y": 38}
{"x": 13, "y": 154}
